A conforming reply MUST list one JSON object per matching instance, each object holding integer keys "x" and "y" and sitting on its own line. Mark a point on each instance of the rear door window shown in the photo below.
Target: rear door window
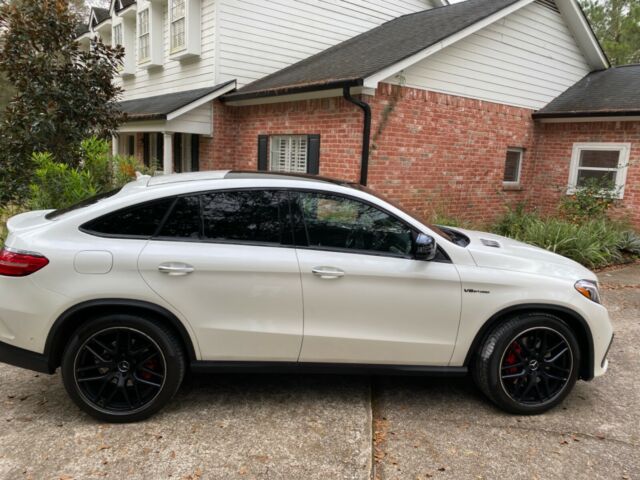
{"x": 184, "y": 221}
{"x": 246, "y": 216}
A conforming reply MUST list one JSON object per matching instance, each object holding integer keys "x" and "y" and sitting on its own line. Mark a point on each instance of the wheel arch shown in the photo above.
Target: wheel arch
{"x": 576, "y": 322}
{"x": 71, "y": 319}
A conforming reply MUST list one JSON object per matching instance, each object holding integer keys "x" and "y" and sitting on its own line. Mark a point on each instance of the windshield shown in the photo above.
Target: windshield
{"x": 82, "y": 204}
{"x": 436, "y": 229}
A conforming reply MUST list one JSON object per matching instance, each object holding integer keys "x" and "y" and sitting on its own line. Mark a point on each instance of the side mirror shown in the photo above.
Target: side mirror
{"x": 425, "y": 247}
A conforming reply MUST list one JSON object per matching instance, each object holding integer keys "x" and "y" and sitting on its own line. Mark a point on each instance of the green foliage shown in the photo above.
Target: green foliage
{"x": 616, "y": 23}
{"x": 57, "y": 185}
{"x": 63, "y": 94}
{"x": 592, "y": 200}
{"x": 596, "y": 242}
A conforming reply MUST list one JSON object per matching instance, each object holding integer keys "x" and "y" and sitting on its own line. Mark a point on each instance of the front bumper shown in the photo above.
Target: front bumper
{"x": 19, "y": 357}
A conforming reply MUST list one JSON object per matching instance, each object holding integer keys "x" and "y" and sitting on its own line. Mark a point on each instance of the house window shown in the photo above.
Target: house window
{"x": 600, "y": 164}
{"x": 143, "y": 36}
{"x": 513, "y": 165}
{"x": 117, "y": 35}
{"x": 288, "y": 153}
{"x": 178, "y": 24}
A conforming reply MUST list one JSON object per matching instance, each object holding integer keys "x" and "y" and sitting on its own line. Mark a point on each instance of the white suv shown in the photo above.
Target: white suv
{"x": 250, "y": 271}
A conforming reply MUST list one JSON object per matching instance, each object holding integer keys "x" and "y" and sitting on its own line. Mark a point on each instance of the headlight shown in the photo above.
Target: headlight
{"x": 588, "y": 289}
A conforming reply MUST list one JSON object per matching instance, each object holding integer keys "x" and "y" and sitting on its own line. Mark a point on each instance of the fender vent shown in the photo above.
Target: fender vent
{"x": 490, "y": 243}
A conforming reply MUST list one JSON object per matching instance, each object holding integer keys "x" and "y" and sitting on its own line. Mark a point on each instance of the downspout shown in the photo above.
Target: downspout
{"x": 366, "y": 132}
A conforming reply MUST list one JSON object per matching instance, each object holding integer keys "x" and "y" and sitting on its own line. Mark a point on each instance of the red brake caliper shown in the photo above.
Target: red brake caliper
{"x": 512, "y": 357}
{"x": 151, "y": 365}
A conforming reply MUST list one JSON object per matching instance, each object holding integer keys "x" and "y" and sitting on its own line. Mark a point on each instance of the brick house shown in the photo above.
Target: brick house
{"x": 458, "y": 109}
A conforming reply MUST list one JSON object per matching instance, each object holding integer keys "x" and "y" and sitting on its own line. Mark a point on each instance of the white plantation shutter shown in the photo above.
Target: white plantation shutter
{"x": 288, "y": 153}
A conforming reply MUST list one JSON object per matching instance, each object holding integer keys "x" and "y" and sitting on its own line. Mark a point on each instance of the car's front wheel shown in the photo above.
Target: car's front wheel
{"x": 122, "y": 368}
{"x": 528, "y": 364}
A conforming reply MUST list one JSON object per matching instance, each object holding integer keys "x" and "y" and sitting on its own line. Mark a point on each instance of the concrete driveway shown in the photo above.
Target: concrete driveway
{"x": 331, "y": 427}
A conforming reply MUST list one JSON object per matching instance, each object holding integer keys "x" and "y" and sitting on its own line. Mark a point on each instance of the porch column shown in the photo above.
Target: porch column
{"x": 115, "y": 145}
{"x": 167, "y": 165}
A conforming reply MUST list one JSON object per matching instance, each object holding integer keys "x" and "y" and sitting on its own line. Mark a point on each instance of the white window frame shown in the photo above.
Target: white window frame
{"x": 520, "y": 151}
{"x": 116, "y": 35}
{"x": 291, "y": 149}
{"x": 621, "y": 170}
{"x": 144, "y": 34}
{"x": 192, "y": 19}
{"x": 173, "y": 20}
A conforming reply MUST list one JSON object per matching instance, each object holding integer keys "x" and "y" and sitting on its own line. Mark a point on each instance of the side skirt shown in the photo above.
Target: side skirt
{"x": 324, "y": 368}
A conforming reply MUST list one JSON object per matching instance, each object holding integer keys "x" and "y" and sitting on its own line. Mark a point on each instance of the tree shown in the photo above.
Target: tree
{"x": 616, "y": 23}
{"x": 62, "y": 93}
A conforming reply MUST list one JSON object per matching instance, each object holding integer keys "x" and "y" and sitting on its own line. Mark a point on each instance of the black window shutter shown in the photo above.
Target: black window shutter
{"x": 313, "y": 154}
{"x": 145, "y": 149}
{"x": 177, "y": 152}
{"x": 195, "y": 153}
{"x": 160, "y": 149}
{"x": 263, "y": 152}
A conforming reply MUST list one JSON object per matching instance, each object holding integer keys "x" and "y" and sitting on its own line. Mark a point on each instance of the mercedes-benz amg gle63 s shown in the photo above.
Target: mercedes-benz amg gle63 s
{"x": 220, "y": 271}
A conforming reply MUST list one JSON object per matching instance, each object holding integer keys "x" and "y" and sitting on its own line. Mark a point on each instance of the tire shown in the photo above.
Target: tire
{"x": 528, "y": 364}
{"x": 122, "y": 368}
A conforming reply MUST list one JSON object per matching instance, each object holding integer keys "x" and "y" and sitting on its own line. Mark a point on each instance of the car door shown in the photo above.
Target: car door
{"x": 222, "y": 260}
{"x": 366, "y": 299}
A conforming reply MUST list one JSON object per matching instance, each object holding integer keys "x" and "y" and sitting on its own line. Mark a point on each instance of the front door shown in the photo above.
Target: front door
{"x": 366, "y": 300}
{"x": 219, "y": 259}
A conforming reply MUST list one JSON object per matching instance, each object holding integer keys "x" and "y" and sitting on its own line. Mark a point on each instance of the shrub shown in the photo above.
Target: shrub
{"x": 57, "y": 185}
{"x": 596, "y": 242}
{"x": 592, "y": 200}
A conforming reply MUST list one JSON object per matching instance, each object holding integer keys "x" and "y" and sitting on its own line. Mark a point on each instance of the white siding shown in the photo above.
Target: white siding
{"x": 256, "y": 37}
{"x": 526, "y": 59}
{"x": 199, "y": 120}
{"x": 174, "y": 75}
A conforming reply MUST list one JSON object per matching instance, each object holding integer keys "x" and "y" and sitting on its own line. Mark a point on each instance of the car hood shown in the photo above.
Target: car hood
{"x": 494, "y": 251}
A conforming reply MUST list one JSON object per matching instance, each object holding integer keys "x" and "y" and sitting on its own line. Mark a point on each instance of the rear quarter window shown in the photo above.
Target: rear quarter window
{"x": 138, "y": 221}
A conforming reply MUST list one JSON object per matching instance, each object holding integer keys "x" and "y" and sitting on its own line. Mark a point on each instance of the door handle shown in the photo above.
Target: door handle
{"x": 327, "y": 272}
{"x": 175, "y": 269}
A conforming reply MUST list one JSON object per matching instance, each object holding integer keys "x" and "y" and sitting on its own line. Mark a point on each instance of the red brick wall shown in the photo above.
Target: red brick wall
{"x": 554, "y": 147}
{"x": 431, "y": 152}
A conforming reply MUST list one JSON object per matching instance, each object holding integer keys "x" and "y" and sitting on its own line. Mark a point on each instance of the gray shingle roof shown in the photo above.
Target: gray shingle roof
{"x": 101, "y": 14}
{"x": 125, "y": 4}
{"x": 368, "y": 53}
{"x": 159, "y": 106}
{"x": 615, "y": 91}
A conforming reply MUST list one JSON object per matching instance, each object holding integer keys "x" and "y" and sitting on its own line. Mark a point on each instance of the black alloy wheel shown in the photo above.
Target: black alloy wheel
{"x": 120, "y": 370}
{"x": 123, "y": 368}
{"x": 528, "y": 363}
{"x": 536, "y": 366}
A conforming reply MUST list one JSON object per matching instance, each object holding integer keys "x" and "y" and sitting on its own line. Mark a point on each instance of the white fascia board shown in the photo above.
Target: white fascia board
{"x": 106, "y": 25}
{"x": 201, "y": 101}
{"x": 295, "y": 97}
{"x": 587, "y": 41}
{"x": 373, "y": 80}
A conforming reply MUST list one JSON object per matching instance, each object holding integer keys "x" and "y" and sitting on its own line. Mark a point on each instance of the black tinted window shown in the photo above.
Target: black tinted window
{"x": 184, "y": 219}
{"x": 250, "y": 216}
{"x": 138, "y": 221}
{"x": 337, "y": 222}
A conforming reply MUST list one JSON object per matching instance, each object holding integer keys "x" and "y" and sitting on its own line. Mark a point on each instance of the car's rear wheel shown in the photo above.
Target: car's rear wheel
{"x": 122, "y": 368}
{"x": 528, "y": 364}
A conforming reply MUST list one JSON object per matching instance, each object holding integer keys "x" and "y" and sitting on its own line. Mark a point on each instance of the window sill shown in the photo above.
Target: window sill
{"x": 511, "y": 187}
{"x": 183, "y": 54}
{"x": 148, "y": 64}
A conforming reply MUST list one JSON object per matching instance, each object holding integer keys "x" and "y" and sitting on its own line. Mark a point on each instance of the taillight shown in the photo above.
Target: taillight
{"x": 16, "y": 263}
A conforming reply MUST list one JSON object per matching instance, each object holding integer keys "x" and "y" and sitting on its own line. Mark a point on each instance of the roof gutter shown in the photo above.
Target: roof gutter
{"x": 366, "y": 132}
{"x": 277, "y": 92}
{"x": 607, "y": 113}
